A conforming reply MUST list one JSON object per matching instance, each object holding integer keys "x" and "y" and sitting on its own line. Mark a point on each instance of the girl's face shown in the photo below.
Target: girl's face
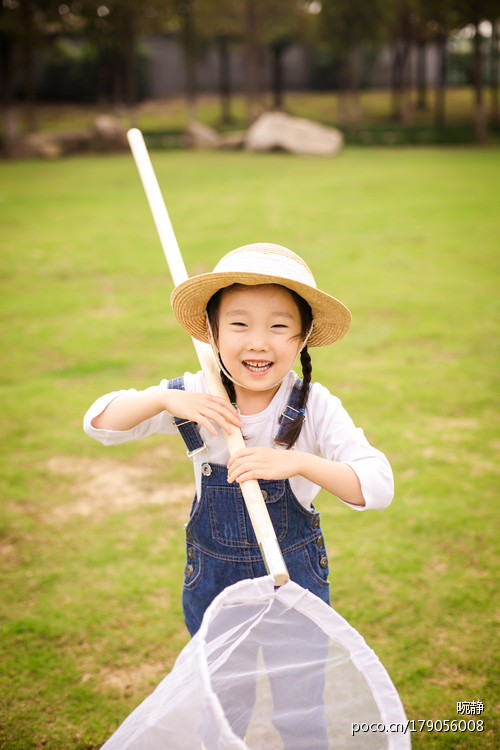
{"x": 259, "y": 334}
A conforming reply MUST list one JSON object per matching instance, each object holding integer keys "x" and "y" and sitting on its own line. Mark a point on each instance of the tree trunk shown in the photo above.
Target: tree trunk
{"x": 356, "y": 113}
{"x": 277, "y": 51}
{"x": 9, "y": 126}
{"x": 422, "y": 75}
{"x": 117, "y": 79}
{"x": 102, "y": 78}
{"x": 398, "y": 80}
{"x": 495, "y": 118}
{"x": 130, "y": 65}
{"x": 343, "y": 117}
{"x": 224, "y": 79}
{"x": 479, "y": 124}
{"x": 251, "y": 60}
{"x": 190, "y": 52}
{"x": 407, "y": 104}
{"x": 396, "y": 83}
{"x": 29, "y": 71}
{"x": 439, "y": 114}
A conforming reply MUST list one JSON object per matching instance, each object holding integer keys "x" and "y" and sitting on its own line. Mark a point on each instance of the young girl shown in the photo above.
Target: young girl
{"x": 260, "y": 310}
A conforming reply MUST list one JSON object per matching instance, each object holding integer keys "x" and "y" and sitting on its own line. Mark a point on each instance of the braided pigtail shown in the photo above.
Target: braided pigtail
{"x": 292, "y": 430}
{"x": 229, "y": 386}
{"x": 213, "y": 316}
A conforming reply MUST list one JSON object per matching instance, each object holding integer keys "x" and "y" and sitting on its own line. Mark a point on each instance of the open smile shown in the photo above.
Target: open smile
{"x": 257, "y": 367}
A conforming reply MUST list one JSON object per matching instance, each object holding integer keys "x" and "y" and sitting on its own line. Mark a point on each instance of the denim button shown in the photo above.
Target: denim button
{"x": 320, "y": 542}
{"x": 189, "y": 570}
{"x": 315, "y": 522}
{"x": 264, "y": 494}
{"x": 206, "y": 469}
{"x": 323, "y": 562}
{"x": 190, "y": 553}
{"x": 189, "y": 536}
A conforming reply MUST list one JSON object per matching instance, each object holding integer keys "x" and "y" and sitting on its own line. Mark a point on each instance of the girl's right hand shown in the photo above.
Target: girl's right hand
{"x": 203, "y": 409}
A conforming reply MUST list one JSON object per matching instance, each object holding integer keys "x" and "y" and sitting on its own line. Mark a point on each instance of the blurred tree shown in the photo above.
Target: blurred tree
{"x": 278, "y": 46}
{"x": 188, "y": 13}
{"x": 442, "y": 20}
{"x": 25, "y": 26}
{"x": 102, "y": 35}
{"x": 405, "y": 34}
{"x": 345, "y": 26}
{"x": 423, "y": 21}
{"x": 495, "y": 118}
{"x": 112, "y": 29}
{"x": 9, "y": 35}
{"x": 222, "y": 23}
{"x": 28, "y": 10}
{"x": 479, "y": 119}
{"x": 475, "y": 12}
{"x": 422, "y": 38}
{"x": 285, "y": 22}
{"x": 252, "y": 49}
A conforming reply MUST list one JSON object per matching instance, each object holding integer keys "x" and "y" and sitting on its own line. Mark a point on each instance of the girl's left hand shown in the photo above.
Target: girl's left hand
{"x": 262, "y": 463}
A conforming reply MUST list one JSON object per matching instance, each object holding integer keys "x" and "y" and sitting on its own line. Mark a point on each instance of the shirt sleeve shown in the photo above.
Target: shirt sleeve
{"x": 159, "y": 424}
{"x": 340, "y": 440}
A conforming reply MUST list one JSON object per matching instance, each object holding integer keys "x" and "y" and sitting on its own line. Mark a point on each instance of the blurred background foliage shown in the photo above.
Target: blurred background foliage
{"x": 89, "y": 51}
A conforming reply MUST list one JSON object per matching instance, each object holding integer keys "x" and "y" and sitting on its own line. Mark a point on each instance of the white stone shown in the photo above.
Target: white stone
{"x": 109, "y": 134}
{"x": 232, "y": 140}
{"x": 199, "y": 135}
{"x": 50, "y": 145}
{"x": 276, "y": 130}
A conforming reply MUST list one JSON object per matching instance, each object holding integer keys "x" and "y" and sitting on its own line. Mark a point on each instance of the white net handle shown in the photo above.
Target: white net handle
{"x": 256, "y": 506}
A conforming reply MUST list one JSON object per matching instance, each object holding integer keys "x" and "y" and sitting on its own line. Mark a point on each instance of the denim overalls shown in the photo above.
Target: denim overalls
{"x": 221, "y": 546}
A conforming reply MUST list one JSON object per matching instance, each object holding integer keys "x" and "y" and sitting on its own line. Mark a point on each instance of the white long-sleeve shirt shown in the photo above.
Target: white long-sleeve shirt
{"x": 328, "y": 431}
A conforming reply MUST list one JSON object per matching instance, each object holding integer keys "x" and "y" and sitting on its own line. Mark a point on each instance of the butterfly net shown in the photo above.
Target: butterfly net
{"x": 270, "y": 670}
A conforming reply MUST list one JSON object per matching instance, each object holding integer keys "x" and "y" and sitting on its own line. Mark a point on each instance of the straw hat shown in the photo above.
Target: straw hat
{"x": 252, "y": 265}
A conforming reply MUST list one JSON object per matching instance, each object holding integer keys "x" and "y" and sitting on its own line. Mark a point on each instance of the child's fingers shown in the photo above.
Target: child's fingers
{"x": 216, "y": 417}
{"x": 247, "y": 475}
{"x": 243, "y": 466}
{"x": 201, "y": 420}
{"x": 240, "y": 454}
{"x": 227, "y": 408}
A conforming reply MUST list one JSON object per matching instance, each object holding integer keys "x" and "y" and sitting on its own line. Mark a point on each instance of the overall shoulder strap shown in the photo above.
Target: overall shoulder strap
{"x": 290, "y": 411}
{"x": 187, "y": 429}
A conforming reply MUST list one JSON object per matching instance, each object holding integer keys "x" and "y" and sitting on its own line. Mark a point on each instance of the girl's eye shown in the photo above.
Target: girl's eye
{"x": 280, "y": 325}
{"x": 238, "y": 324}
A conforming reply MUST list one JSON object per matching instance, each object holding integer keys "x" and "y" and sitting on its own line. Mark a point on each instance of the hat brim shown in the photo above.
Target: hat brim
{"x": 189, "y": 302}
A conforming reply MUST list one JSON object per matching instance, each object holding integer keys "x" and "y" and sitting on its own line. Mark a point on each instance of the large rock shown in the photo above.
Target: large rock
{"x": 198, "y": 135}
{"x": 109, "y": 134}
{"x": 50, "y": 145}
{"x": 232, "y": 140}
{"x": 276, "y": 131}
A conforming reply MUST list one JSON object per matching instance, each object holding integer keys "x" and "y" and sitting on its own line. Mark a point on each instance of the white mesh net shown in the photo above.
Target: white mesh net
{"x": 270, "y": 670}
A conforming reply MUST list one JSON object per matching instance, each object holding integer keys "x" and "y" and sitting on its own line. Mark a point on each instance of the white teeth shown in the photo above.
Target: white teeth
{"x": 260, "y": 366}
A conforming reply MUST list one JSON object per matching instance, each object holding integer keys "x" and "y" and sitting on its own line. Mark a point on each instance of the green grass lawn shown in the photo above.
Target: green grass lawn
{"x": 92, "y": 544}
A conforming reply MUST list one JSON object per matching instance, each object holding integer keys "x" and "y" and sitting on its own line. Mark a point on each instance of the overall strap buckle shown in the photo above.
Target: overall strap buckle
{"x": 290, "y": 412}
{"x": 297, "y": 411}
{"x": 186, "y": 427}
{"x": 191, "y": 454}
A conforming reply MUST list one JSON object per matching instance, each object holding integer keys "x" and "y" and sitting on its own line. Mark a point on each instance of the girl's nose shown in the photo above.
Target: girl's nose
{"x": 257, "y": 343}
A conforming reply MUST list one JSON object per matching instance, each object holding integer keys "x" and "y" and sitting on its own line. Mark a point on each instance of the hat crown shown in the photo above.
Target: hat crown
{"x": 269, "y": 260}
{"x": 254, "y": 265}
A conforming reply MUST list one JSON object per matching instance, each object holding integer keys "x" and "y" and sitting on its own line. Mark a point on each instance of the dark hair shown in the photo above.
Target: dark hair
{"x": 293, "y": 428}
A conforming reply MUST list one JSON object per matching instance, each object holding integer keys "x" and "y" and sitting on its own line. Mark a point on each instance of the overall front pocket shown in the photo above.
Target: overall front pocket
{"x": 229, "y": 520}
